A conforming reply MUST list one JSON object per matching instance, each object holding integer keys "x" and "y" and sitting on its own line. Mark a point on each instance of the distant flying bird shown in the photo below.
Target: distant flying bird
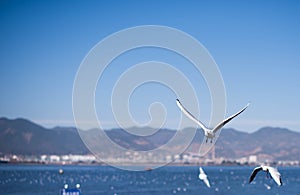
{"x": 269, "y": 170}
{"x": 203, "y": 177}
{"x": 209, "y": 133}
{"x": 60, "y": 171}
{"x": 267, "y": 186}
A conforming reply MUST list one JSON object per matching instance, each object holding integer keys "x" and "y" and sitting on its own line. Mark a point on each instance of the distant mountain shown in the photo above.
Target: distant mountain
{"x": 274, "y": 143}
{"x": 21, "y": 136}
{"x": 139, "y": 143}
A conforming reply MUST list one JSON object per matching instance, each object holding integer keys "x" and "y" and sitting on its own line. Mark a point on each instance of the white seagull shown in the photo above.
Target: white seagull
{"x": 209, "y": 133}
{"x": 269, "y": 170}
{"x": 203, "y": 177}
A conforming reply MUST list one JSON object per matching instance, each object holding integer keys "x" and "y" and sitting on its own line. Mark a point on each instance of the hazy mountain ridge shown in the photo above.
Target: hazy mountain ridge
{"x": 280, "y": 143}
{"x": 20, "y": 136}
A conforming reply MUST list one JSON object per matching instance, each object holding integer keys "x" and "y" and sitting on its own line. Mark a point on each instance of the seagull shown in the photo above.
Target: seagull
{"x": 203, "y": 177}
{"x": 269, "y": 170}
{"x": 209, "y": 133}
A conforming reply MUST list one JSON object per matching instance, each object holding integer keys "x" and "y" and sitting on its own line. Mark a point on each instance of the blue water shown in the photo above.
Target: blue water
{"x": 45, "y": 179}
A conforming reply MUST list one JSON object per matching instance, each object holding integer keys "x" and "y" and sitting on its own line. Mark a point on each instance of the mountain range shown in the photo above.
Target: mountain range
{"x": 23, "y": 137}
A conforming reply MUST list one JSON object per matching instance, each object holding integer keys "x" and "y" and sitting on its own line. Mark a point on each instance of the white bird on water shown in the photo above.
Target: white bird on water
{"x": 209, "y": 133}
{"x": 203, "y": 177}
{"x": 269, "y": 170}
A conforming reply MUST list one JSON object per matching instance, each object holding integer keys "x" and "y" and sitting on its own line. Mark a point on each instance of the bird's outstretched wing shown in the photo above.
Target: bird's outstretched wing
{"x": 275, "y": 175}
{"x": 189, "y": 115}
{"x": 201, "y": 170}
{"x": 254, "y": 172}
{"x": 224, "y": 122}
{"x": 206, "y": 182}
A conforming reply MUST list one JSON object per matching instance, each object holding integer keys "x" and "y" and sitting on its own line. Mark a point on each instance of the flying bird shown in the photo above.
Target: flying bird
{"x": 203, "y": 177}
{"x": 209, "y": 133}
{"x": 269, "y": 170}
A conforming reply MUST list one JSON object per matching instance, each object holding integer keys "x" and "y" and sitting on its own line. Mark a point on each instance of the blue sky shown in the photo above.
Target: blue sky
{"x": 255, "y": 44}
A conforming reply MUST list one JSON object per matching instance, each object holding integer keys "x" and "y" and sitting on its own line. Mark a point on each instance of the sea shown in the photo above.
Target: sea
{"x": 47, "y": 179}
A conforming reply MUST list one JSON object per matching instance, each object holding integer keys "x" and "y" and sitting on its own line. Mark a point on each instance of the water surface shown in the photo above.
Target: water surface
{"x": 45, "y": 179}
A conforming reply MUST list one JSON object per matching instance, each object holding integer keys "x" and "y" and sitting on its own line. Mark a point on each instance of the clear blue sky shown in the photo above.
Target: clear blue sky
{"x": 256, "y": 45}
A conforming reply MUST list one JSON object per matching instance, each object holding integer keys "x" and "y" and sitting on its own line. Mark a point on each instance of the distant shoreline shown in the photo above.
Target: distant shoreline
{"x": 147, "y": 166}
